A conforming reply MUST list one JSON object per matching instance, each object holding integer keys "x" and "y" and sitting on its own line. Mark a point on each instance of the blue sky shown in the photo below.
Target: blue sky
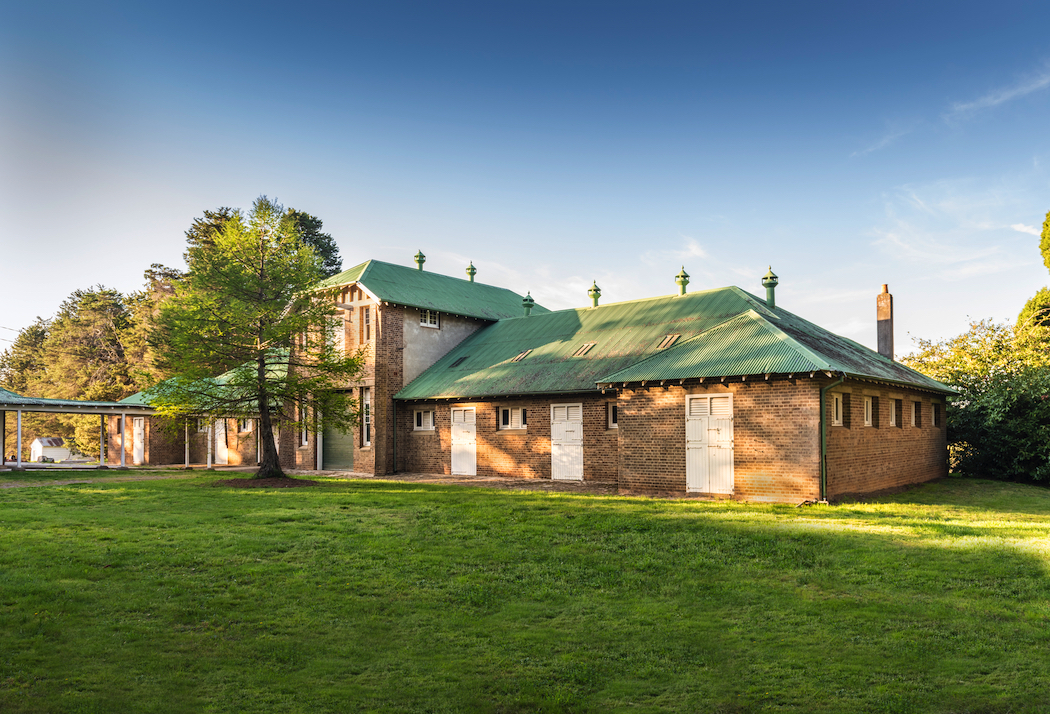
{"x": 550, "y": 143}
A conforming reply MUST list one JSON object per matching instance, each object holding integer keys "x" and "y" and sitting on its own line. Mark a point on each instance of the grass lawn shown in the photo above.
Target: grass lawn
{"x": 170, "y": 596}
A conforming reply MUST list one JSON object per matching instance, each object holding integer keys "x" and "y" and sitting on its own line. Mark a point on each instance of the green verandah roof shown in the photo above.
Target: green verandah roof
{"x": 402, "y": 285}
{"x": 11, "y": 401}
{"x": 277, "y": 371}
{"x": 722, "y": 332}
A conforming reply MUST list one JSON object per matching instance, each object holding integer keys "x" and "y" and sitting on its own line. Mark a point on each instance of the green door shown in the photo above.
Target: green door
{"x": 337, "y": 450}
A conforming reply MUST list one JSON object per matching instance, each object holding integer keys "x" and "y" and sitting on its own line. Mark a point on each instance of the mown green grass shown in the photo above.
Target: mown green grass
{"x": 169, "y": 596}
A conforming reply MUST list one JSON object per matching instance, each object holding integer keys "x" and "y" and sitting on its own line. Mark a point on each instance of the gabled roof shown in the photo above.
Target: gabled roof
{"x": 722, "y": 332}
{"x": 432, "y": 291}
{"x": 750, "y": 344}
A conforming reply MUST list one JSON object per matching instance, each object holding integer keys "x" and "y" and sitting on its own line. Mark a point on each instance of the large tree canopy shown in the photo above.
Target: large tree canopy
{"x": 246, "y": 311}
{"x": 999, "y": 424}
{"x": 81, "y": 353}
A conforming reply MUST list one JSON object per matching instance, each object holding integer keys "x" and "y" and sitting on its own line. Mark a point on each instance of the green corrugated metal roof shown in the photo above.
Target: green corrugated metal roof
{"x": 402, "y": 285}
{"x": 724, "y": 332}
{"x": 11, "y": 400}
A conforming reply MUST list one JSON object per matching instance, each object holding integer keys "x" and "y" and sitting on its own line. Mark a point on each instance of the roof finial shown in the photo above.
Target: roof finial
{"x": 595, "y": 292}
{"x": 420, "y": 259}
{"x": 527, "y": 302}
{"x": 769, "y": 282}
{"x": 682, "y": 279}
{"x": 471, "y": 271}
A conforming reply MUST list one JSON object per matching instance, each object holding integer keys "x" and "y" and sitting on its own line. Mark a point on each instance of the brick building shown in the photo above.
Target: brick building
{"x": 716, "y": 392}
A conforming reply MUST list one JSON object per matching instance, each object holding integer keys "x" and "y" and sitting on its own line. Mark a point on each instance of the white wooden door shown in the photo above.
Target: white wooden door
{"x": 464, "y": 442}
{"x": 222, "y": 451}
{"x": 567, "y": 442}
{"x": 138, "y": 440}
{"x": 709, "y": 443}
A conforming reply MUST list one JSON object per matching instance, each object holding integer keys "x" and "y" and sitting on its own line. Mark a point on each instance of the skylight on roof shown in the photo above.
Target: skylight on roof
{"x": 584, "y": 349}
{"x": 521, "y": 356}
{"x": 667, "y": 341}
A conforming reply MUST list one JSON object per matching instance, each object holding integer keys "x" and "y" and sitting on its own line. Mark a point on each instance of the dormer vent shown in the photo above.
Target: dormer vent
{"x": 594, "y": 292}
{"x": 420, "y": 259}
{"x": 682, "y": 279}
{"x": 769, "y": 282}
{"x": 667, "y": 341}
{"x": 584, "y": 349}
{"x": 521, "y": 356}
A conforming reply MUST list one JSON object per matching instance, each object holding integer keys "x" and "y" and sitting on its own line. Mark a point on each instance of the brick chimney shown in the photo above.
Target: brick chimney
{"x": 884, "y": 313}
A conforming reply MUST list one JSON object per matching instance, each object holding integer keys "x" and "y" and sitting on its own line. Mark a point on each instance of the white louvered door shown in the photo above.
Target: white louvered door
{"x": 464, "y": 442}
{"x": 709, "y": 443}
{"x": 567, "y": 442}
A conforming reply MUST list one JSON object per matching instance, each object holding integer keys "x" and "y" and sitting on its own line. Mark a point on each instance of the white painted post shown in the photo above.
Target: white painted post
{"x": 187, "y": 442}
{"x": 101, "y": 439}
{"x": 319, "y": 444}
{"x": 211, "y": 438}
{"x": 258, "y": 444}
{"x": 19, "y": 440}
{"x": 123, "y": 455}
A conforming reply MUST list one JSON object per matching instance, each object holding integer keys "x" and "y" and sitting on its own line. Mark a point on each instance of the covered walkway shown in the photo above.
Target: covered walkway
{"x": 18, "y": 405}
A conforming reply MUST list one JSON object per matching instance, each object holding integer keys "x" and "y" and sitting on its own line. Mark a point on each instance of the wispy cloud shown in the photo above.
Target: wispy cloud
{"x": 954, "y": 229}
{"x": 1001, "y": 96}
{"x": 1022, "y": 228}
{"x": 882, "y": 143}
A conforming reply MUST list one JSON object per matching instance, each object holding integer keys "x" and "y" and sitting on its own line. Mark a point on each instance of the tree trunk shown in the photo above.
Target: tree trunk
{"x": 269, "y": 461}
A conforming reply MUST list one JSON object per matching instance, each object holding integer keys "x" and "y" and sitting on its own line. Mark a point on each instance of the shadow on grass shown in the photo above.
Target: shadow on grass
{"x": 370, "y": 595}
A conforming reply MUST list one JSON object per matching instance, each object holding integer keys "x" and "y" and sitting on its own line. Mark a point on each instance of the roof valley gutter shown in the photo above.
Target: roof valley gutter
{"x": 824, "y": 438}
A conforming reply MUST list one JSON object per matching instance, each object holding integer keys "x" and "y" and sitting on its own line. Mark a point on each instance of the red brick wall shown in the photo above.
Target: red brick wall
{"x": 868, "y": 459}
{"x": 775, "y": 439}
{"x": 524, "y": 453}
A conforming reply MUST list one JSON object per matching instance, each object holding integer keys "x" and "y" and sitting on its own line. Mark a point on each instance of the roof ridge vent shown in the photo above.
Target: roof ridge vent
{"x": 420, "y": 259}
{"x": 682, "y": 279}
{"x": 770, "y": 282}
{"x": 471, "y": 271}
{"x": 594, "y": 292}
{"x": 528, "y": 302}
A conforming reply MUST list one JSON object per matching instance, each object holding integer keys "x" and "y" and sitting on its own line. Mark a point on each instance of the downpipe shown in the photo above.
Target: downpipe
{"x": 824, "y": 438}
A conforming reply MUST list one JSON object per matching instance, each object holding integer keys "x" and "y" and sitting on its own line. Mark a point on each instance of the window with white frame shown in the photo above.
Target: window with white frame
{"x": 304, "y": 431}
{"x": 244, "y": 425}
{"x": 366, "y": 324}
{"x": 429, "y": 318}
{"x": 895, "y": 412}
{"x": 202, "y": 426}
{"x": 424, "y": 420}
{"x": 869, "y": 412}
{"x": 613, "y": 415}
{"x": 512, "y": 418}
{"x": 836, "y": 410}
{"x": 366, "y": 416}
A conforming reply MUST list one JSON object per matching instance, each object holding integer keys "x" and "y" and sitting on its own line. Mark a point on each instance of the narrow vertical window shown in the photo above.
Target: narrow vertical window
{"x": 836, "y": 410}
{"x": 304, "y": 433}
{"x": 614, "y": 415}
{"x": 868, "y": 412}
{"x": 366, "y": 416}
{"x": 937, "y": 415}
{"x": 523, "y": 421}
{"x": 916, "y": 414}
{"x": 368, "y": 323}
